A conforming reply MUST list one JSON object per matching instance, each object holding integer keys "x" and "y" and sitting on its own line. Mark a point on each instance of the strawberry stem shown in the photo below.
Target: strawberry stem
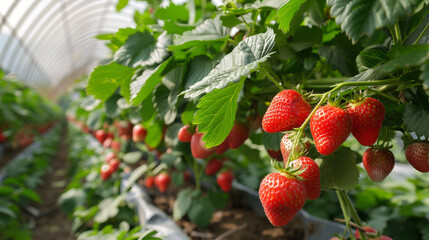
{"x": 269, "y": 76}
{"x": 349, "y": 209}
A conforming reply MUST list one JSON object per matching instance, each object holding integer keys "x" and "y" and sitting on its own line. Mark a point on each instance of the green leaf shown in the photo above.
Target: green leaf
{"x": 188, "y": 114}
{"x": 414, "y": 116}
{"x": 121, "y": 4}
{"x": 6, "y": 190}
{"x": 172, "y": 12}
{"x": 30, "y": 194}
{"x": 210, "y": 30}
{"x": 141, "y": 49}
{"x": 143, "y": 86}
{"x": 425, "y": 74}
{"x": 276, "y": 4}
{"x": 216, "y": 114}
{"x": 305, "y": 37}
{"x": 154, "y": 134}
{"x": 165, "y": 95}
{"x": 7, "y": 211}
{"x": 341, "y": 54}
{"x": 108, "y": 208}
{"x": 243, "y": 60}
{"x": 176, "y": 28}
{"x": 362, "y": 17}
{"x": 291, "y": 13}
{"x": 132, "y": 157}
{"x": 338, "y": 170}
{"x": 71, "y": 199}
{"x": 199, "y": 68}
{"x": 230, "y": 20}
{"x": 104, "y": 80}
{"x": 182, "y": 204}
{"x": 371, "y": 56}
{"x": 219, "y": 199}
{"x": 170, "y": 138}
{"x": 201, "y": 212}
{"x": 272, "y": 140}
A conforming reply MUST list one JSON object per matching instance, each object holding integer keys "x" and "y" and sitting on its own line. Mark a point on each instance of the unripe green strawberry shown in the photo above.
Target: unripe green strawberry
{"x": 282, "y": 196}
{"x": 330, "y": 127}
{"x": 378, "y": 163}
{"x": 367, "y": 117}
{"x": 417, "y": 155}
{"x": 287, "y": 110}
{"x": 310, "y": 176}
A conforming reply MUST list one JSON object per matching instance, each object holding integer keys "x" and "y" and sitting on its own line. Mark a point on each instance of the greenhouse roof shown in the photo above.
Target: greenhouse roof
{"x": 50, "y": 43}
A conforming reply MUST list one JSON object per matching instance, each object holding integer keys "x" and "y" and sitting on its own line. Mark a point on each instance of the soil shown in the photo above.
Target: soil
{"x": 237, "y": 221}
{"x": 51, "y": 223}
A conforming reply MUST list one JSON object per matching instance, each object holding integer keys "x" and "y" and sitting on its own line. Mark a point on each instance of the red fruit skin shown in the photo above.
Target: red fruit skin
{"x": 417, "y": 154}
{"x": 367, "y": 230}
{"x": 224, "y": 180}
{"x": 197, "y": 146}
{"x": 282, "y": 197}
{"x": 184, "y": 135}
{"x": 186, "y": 175}
{"x": 2, "y": 137}
{"x": 310, "y": 176}
{"x": 276, "y": 154}
{"x": 238, "y": 135}
{"x": 287, "y": 110}
{"x": 378, "y": 163}
{"x": 162, "y": 181}
{"x": 108, "y": 142}
{"x": 114, "y": 164}
{"x": 110, "y": 135}
{"x": 367, "y": 117}
{"x": 100, "y": 135}
{"x": 110, "y": 156}
{"x": 105, "y": 172}
{"x": 213, "y": 166}
{"x": 286, "y": 147}
{"x": 116, "y": 146}
{"x": 330, "y": 127}
{"x": 223, "y": 147}
{"x": 139, "y": 133}
{"x": 149, "y": 181}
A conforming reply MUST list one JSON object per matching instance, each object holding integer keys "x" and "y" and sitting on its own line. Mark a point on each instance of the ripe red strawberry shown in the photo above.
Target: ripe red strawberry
{"x": 417, "y": 155}
{"x": 110, "y": 156}
{"x": 125, "y": 128}
{"x": 105, "y": 171}
{"x": 223, "y": 147}
{"x": 224, "y": 180}
{"x": 277, "y": 155}
{"x": 114, "y": 164}
{"x": 100, "y": 135}
{"x": 197, "y": 146}
{"x": 239, "y": 133}
{"x": 139, "y": 133}
{"x": 162, "y": 181}
{"x": 286, "y": 147}
{"x": 367, "y": 230}
{"x": 149, "y": 181}
{"x": 282, "y": 197}
{"x": 287, "y": 110}
{"x": 367, "y": 117}
{"x": 2, "y": 137}
{"x": 108, "y": 142}
{"x": 116, "y": 145}
{"x": 310, "y": 176}
{"x": 186, "y": 175}
{"x": 213, "y": 166}
{"x": 330, "y": 127}
{"x": 378, "y": 163}
{"x": 185, "y": 134}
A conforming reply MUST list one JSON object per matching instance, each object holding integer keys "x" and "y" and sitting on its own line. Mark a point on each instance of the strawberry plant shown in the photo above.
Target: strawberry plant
{"x": 316, "y": 72}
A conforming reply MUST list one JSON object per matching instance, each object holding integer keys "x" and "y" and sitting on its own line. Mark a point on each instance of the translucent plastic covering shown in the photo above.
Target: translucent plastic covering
{"x": 50, "y": 43}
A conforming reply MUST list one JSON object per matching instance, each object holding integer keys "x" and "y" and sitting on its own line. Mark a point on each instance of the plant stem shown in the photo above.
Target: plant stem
{"x": 192, "y": 11}
{"x": 203, "y": 7}
{"x": 398, "y": 33}
{"x": 421, "y": 34}
{"x": 353, "y": 212}
{"x": 269, "y": 76}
